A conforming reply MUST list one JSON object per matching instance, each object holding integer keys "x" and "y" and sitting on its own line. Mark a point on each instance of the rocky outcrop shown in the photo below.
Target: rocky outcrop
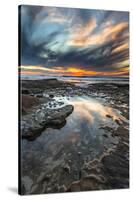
{"x": 33, "y": 124}
{"x": 25, "y": 91}
{"x": 27, "y": 103}
{"x": 43, "y": 84}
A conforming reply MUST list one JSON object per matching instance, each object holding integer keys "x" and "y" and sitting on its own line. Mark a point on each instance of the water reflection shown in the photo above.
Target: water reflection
{"x": 82, "y": 133}
{"x": 91, "y": 109}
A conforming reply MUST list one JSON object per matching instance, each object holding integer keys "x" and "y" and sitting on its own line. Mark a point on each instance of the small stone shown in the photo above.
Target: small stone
{"x": 67, "y": 168}
{"x": 39, "y": 95}
{"x": 105, "y": 135}
{"x": 25, "y": 91}
{"x": 47, "y": 177}
{"x": 51, "y": 96}
{"x": 109, "y": 116}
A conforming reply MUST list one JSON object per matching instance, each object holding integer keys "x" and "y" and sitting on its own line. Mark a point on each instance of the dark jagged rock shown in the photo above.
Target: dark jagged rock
{"x": 43, "y": 84}
{"x": 54, "y": 119}
{"x": 39, "y": 95}
{"x": 28, "y": 102}
{"x": 25, "y": 91}
{"x": 51, "y": 96}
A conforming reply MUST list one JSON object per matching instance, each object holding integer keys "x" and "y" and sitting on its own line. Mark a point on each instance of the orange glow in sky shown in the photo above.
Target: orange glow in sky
{"x": 69, "y": 71}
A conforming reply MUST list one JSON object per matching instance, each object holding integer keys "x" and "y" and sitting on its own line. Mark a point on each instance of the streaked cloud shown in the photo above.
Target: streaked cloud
{"x": 70, "y": 71}
{"x": 69, "y": 41}
{"x": 84, "y": 38}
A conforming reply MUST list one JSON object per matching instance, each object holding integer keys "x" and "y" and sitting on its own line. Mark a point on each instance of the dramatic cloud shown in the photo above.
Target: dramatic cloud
{"x": 69, "y": 41}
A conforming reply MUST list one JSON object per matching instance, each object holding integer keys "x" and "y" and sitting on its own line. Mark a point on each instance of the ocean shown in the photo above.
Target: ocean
{"x": 81, "y": 80}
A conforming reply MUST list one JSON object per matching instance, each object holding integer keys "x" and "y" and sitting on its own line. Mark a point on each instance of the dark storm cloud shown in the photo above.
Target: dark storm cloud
{"x": 89, "y": 39}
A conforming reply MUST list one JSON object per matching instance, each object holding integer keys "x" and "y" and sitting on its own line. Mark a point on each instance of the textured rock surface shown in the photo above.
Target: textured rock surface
{"x": 33, "y": 124}
{"x": 28, "y": 102}
{"x": 64, "y": 163}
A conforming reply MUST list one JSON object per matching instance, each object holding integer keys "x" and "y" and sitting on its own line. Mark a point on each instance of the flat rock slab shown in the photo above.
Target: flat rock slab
{"x": 34, "y": 123}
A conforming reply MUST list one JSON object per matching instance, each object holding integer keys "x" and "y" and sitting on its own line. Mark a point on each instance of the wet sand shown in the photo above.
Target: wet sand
{"x": 76, "y": 138}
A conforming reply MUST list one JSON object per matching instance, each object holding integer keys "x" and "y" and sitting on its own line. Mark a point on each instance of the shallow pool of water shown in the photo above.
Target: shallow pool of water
{"x": 83, "y": 134}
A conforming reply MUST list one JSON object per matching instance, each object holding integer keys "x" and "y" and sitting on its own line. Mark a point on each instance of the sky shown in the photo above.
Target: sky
{"x": 73, "y": 42}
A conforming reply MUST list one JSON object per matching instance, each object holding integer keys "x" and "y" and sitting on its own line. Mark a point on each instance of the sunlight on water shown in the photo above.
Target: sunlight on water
{"x": 93, "y": 110}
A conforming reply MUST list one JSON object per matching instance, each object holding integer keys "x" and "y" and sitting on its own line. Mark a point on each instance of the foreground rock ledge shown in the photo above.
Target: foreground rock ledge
{"x": 31, "y": 127}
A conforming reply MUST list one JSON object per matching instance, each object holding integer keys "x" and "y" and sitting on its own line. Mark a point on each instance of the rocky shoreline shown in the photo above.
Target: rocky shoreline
{"x": 71, "y": 166}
